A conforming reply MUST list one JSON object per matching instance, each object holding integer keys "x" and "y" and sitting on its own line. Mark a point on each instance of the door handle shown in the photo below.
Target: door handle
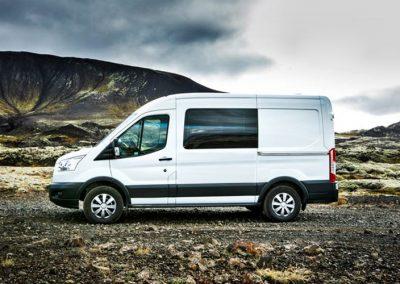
{"x": 165, "y": 159}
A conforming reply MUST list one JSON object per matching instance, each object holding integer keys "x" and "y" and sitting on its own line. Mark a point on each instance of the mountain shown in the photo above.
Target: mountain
{"x": 34, "y": 87}
{"x": 392, "y": 130}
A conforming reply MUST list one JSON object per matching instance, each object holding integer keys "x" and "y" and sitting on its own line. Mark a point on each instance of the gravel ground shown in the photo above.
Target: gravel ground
{"x": 43, "y": 243}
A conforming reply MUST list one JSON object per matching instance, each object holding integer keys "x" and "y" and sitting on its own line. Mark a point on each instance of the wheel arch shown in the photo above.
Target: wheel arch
{"x": 94, "y": 182}
{"x": 296, "y": 184}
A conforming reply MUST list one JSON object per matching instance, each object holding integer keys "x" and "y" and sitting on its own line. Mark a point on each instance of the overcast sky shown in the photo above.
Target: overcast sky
{"x": 348, "y": 50}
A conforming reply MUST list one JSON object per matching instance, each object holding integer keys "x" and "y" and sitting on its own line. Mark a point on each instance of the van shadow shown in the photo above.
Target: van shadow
{"x": 191, "y": 216}
{"x": 185, "y": 216}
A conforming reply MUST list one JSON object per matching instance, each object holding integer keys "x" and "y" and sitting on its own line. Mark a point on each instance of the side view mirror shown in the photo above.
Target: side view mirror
{"x": 116, "y": 151}
{"x": 116, "y": 148}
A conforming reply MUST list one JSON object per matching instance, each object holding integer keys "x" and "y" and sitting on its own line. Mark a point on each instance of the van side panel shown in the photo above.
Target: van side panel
{"x": 290, "y": 129}
{"x": 292, "y": 143}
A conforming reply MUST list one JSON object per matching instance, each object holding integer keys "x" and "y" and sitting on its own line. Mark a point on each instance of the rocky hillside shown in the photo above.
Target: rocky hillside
{"x": 392, "y": 130}
{"x": 35, "y": 87}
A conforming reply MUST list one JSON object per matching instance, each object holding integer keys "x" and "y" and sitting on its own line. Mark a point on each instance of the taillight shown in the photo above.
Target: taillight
{"x": 332, "y": 165}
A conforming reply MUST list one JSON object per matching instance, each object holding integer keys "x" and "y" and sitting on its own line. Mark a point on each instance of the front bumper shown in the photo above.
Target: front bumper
{"x": 65, "y": 194}
{"x": 322, "y": 191}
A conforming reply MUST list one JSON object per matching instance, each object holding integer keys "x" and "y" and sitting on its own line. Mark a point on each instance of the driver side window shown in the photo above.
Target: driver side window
{"x": 146, "y": 136}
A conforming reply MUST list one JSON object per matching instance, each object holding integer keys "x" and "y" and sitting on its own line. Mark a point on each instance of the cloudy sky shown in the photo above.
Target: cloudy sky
{"x": 348, "y": 50}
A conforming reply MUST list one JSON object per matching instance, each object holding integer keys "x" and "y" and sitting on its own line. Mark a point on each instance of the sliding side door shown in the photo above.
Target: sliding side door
{"x": 216, "y": 151}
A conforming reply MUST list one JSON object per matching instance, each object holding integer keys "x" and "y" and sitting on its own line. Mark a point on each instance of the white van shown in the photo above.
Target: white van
{"x": 269, "y": 153}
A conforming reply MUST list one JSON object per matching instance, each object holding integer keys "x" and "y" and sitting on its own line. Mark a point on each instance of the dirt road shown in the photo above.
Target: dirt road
{"x": 42, "y": 243}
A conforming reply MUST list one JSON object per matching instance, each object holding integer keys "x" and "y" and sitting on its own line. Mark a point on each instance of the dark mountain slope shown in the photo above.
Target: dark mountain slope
{"x": 392, "y": 130}
{"x": 33, "y": 85}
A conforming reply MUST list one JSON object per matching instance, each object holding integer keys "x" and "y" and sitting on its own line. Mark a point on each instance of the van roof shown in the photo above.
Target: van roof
{"x": 236, "y": 95}
{"x": 162, "y": 102}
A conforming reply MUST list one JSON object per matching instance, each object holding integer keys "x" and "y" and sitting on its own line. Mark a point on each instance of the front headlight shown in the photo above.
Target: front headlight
{"x": 69, "y": 164}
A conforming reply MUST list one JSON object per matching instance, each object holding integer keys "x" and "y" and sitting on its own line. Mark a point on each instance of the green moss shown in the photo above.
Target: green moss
{"x": 390, "y": 190}
{"x": 103, "y": 88}
{"x": 177, "y": 281}
{"x": 372, "y": 185}
{"x": 349, "y": 187}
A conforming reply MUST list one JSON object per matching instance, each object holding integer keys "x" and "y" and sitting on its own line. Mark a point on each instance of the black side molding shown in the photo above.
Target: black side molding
{"x": 321, "y": 191}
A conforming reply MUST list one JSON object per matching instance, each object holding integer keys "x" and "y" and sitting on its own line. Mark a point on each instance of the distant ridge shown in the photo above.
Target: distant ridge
{"x": 35, "y": 85}
{"x": 392, "y": 130}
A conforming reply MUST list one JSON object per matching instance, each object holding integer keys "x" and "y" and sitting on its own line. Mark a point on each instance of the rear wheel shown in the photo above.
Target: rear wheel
{"x": 282, "y": 203}
{"x": 103, "y": 204}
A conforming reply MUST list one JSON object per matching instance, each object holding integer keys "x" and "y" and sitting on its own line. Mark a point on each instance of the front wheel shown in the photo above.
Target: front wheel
{"x": 282, "y": 203}
{"x": 103, "y": 204}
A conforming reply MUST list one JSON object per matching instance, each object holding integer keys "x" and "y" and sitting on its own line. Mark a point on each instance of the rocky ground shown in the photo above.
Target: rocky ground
{"x": 20, "y": 180}
{"x": 353, "y": 243}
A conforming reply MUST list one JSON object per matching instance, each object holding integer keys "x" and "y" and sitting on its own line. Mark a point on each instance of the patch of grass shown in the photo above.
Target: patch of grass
{"x": 143, "y": 251}
{"x": 103, "y": 88}
{"x": 63, "y": 139}
{"x": 8, "y": 138}
{"x": 371, "y": 185}
{"x": 8, "y": 262}
{"x": 291, "y": 275}
{"x": 376, "y": 171}
{"x": 348, "y": 186}
{"x": 130, "y": 274}
{"x": 122, "y": 110}
{"x": 388, "y": 190}
{"x": 12, "y": 141}
{"x": 177, "y": 281}
{"x": 347, "y": 166}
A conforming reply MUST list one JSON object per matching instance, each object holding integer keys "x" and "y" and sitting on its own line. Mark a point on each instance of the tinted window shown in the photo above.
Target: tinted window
{"x": 146, "y": 136}
{"x": 129, "y": 142}
{"x": 154, "y": 135}
{"x": 220, "y": 128}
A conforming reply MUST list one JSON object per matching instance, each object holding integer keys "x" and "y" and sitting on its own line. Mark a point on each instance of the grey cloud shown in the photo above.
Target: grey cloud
{"x": 380, "y": 102}
{"x": 196, "y": 36}
{"x": 224, "y": 61}
{"x": 193, "y": 33}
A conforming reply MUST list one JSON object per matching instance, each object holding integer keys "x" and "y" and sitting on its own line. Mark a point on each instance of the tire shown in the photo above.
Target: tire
{"x": 99, "y": 212}
{"x": 285, "y": 210}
